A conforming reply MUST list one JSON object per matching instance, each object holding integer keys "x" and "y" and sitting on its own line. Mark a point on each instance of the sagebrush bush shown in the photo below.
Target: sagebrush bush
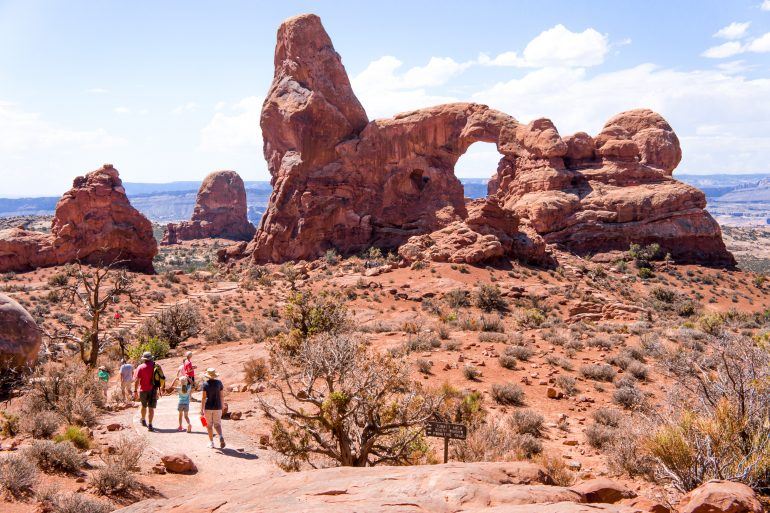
{"x": 423, "y": 365}
{"x": 41, "y": 423}
{"x": 113, "y": 479}
{"x": 220, "y": 331}
{"x": 555, "y": 467}
{"x": 489, "y": 298}
{"x": 75, "y": 503}
{"x": 523, "y": 353}
{"x": 493, "y": 338}
{"x": 471, "y": 372}
{"x": 628, "y": 397}
{"x": 599, "y": 436}
{"x": 495, "y": 441}
{"x": 608, "y": 417}
{"x": 255, "y": 370}
{"x": 567, "y": 384}
{"x": 69, "y": 390}
{"x": 527, "y": 422}
{"x": 507, "y": 361}
{"x": 639, "y": 371}
{"x": 492, "y": 323}
{"x": 18, "y": 474}
{"x": 457, "y": 298}
{"x": 598, "y": 372}
{"x": 508, "y": 394}
{"x": 50, "y": 455}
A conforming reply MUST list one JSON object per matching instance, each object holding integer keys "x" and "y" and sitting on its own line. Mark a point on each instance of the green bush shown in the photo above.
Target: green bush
{"x": 76, "y": 435}
{"x": 489, "y": 298}
{"x": 159, "y": 349}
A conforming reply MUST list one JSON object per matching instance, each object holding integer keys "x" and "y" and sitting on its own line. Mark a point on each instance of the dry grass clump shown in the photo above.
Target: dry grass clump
{"x": 255, "y": 370}
{"x": 18, "y": 475}
{"x": 598, "y": 372}
{"x": 471, "y": 372}
{"x": 117, "y": 476}
{"x": 40, "y": 424}
{"x": 527, "y": 422}
{"x": 508, "y": 394}
{"x": 496, "y": 441}
{"x": 64, "y": 502}
{"x": 53, "y": 456}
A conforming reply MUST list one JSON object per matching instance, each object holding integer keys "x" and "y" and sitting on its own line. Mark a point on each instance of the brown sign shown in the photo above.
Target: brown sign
{"x": 446, "y": 430}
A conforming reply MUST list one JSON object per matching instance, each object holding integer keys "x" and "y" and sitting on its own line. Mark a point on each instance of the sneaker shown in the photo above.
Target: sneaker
{"x": 189, "y": 428}
{"x": 144, "y": 423}
{"x": 221, "y": 443}
{"x": 211, "y": 444}
{"x": 150, "y": 428}
{"x": 180, "y": 428}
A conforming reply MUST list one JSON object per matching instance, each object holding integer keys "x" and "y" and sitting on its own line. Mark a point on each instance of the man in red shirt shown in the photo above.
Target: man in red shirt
{"x": 148, "y": 394}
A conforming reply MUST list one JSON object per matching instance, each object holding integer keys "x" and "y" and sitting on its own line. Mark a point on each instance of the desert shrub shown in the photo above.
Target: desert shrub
{"x": 41, "y": 423}
{"x": 645, "y": 273}
{"x": 527, "y": 422}
{"x": 471, "y": 372}
{"x": 663, "y": 294}
{"x": 493, "y": 338}
{"x": 9, "y": 424}
{"x": 492, "y": 323}
{"x": 173, "y": 325}
{"x": 17, "y": 475}
{"x": 76, "y": 435}
{"x": 489, "y": 298}
{"x": 255, "y": 370}
{"x": 567, "y": 384}
{"x": 452, "y": 345}
{"x": 157, "y": 347}
{"x": 531, "y": 318}
{"x": 528, "y": 445}
{"x": 69, "y": 390}
{"x": 220, "y": 331}
{"x": 629, "y": 397}
{"x": 643, "y": 255}
{"x": 457, "y": 298}
{"x": 608, "y": 417}
{"x": 307, "y": 315}
{"x": 559, "y": 361}
{"x": 598, "y": 372}
{"x": 495, "y": 441}
{"x": 443, "y": 332}
{"x": 712, "y": 323}
{"x": 620, "y": 361}
{"x": 120, "y": 463}
{"x": 423, "y": 365}
{"x": 508, "y": 394}
{"x": 62, "y": 502}
{"x": 625, "y": 453}
{"x": 599, "y": 436}
{"x": 523, "y": 353}
{"x": 421, "y": 341}
{"x": 556, "y": 468}
{"x": 601, "y": 341}
{"x": 507, "y": 361}
{"x": 50, "y": 455}
{"x": 639, "y": 370}
{"x": 112, "y": 480}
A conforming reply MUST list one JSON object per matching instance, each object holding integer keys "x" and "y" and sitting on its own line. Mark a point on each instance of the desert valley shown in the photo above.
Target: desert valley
{"x": 581, "y": 332}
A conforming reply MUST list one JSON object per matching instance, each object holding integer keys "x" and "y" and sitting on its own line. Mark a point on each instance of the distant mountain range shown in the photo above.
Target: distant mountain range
{"x": 174, "y": 201}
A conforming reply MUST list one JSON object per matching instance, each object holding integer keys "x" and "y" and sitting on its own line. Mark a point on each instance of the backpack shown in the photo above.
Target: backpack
{"x": 158, "y": 378}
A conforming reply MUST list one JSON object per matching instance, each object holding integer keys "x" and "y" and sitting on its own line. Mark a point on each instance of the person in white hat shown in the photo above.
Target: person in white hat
{"x": 212, "y": 402}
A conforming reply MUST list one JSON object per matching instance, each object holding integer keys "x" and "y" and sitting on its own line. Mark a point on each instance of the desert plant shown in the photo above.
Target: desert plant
{"x": 527, "y": 422}
{"x": 155, "y": 346}
{"x": 41, "y": 423}
{"x": 110, "y": 480}
{"x": 343, "y": 402}
{"x": 523, "y": 353}
{"x": 629, "y": 397}
{"x": 220, "y": 331}
{"x": 255, "y": 370}
{"x": 68, "y": 389}
{"x": 471, "y": 372}
{"x": 73, "y": 502}
{"x": 173, "y": 325}
{"x": 307, "y": 315}
{"x": 598, "y": 372}
{"x": 507, "y": 361}
{"x": 508, "y": 394}
{"x": 457, "y": 298}
{"x": 76, "y": 435}
{"x": 555, "y": 467}
{"x": 50, "y": 455}
{"x": 18, "y": 475}
{"x": 492, "y": 323}
{"x": 566, "y": 384}
{"x": 423, "y": 365}
{"x": 9, "y": 424}
{"x": 489, "y": 298}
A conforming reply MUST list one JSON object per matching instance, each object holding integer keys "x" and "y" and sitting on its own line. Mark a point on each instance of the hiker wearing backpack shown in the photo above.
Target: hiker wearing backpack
{"x": 149, "y": 380}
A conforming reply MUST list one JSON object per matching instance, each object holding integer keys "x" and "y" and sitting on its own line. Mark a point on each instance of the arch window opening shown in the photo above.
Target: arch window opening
{"x": 475, "y": 167}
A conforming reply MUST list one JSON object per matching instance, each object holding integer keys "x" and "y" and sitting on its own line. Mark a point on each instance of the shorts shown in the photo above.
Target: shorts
{"x": 149, "y": 399}
{"x": 183, "y": 407}
{"x": 213, "y": 418}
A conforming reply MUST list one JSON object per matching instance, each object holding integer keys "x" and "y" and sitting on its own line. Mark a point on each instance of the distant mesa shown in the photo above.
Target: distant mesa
{"x": 341, "y": 181}
{"x": 93, "y": 223}
{"x": 220, "y": 212}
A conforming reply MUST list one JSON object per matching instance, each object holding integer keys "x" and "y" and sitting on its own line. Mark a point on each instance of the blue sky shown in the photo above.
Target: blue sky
{"x": 171, "y": 90}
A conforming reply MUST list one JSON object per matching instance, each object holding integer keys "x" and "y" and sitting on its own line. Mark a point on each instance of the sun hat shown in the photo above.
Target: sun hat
{"x": 188, "y": 353}
{"x": 102, "y": 367}
{"x": 211, "y": 373}
{"x": 183, "y": 380}
{"x": 147, "y": 355}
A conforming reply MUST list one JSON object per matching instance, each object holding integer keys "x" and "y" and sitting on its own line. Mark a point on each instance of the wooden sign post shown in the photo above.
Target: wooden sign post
{"x": 446, "y": 430}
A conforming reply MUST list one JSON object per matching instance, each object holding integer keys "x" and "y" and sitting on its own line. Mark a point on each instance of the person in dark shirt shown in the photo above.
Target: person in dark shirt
{"x": 211, "y": 405}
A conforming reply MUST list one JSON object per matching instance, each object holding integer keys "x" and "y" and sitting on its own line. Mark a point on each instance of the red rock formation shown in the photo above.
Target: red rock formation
{"x": 20, "y": 337}
{"x": 94, "y": 222}
{"x": 220, "y": 211}
{"x": 340, "y": 182}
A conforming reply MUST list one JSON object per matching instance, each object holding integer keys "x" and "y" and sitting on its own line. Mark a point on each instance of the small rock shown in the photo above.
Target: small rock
{"x": 179, "y": 464}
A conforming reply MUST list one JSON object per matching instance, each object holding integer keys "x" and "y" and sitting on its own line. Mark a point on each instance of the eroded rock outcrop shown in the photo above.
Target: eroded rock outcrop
{"x": 340, "y": 181}
{"x": 20, "y": 337}
{"x": 94, "y": 222}
{"x": 220, "y": 212}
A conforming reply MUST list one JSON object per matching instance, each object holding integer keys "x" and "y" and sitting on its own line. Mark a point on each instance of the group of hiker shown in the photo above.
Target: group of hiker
{"x": 147, "y": 382}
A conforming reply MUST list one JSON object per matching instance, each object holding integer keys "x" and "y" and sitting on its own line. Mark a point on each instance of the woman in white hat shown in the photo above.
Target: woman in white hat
{"x": 212, "y": 402}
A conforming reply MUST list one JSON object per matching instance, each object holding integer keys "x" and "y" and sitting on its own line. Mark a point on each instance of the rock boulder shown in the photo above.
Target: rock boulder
{"x": 20, "y": 337}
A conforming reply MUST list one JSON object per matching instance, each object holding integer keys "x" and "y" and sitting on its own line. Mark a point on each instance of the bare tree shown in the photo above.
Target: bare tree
{"x": 341, "y": 401}
{"x": 91, "y": 290}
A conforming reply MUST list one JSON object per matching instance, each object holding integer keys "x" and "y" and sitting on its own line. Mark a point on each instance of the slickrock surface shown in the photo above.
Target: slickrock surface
{"x": 20, "y": 338}
{"x": 220, "y": 211}
{"x": 343, "y": 182}
{"x": 94, "y": 222}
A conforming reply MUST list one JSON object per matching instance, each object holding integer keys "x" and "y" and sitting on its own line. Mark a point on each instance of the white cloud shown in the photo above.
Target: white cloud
{"x": 234, "y": 128}
{"x": 187, "y": 107}
{"x": 765, "y": 5}
{"x": 724, "y": 50}
{"x": 121, "y": 110}
{"x": 557, "y": 46}
{"x": 760, "y": 44}
{"x": 734, "y": 30}
{"x": 97, "y": 90}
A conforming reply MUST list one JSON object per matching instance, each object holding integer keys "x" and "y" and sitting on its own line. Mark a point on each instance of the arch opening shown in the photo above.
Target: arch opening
{"x": 475, "y": 167}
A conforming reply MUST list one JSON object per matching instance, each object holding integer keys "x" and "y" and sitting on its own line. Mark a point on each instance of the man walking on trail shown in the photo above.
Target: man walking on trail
{"x": 126, "y": 378}
{"x": 211, "y": 406}
{"x": 144, "y": 381}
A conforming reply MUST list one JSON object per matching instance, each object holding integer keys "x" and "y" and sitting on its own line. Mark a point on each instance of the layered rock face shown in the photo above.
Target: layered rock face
{"x": 94, "y": 222}
{"x": 220, "y": 211}
{"x": 20, "y": 337}
{"x": 342, "y": 182}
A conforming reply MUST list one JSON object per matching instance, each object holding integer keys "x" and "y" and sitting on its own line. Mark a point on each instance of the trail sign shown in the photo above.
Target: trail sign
{"x": 446, "y": 430}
